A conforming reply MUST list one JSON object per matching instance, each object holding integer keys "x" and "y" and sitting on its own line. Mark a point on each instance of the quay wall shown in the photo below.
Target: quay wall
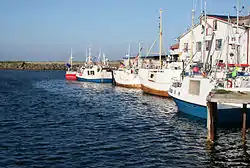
{"x": 24, "y": 65}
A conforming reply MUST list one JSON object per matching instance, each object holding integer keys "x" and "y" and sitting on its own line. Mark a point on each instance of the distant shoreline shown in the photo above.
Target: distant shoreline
{"x": 50, "y": 65}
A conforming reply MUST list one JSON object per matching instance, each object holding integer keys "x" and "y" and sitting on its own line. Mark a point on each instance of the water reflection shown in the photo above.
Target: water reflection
{"x": 124, "y": 126}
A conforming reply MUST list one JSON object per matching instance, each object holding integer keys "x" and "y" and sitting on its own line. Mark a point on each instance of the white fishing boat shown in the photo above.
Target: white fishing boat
{"x": 127, "y": 78}
{"x": 127, "y": 75}
{"x": 190, "y": 93}
{"x": 95, "y": 72}
{"x": 70, "y": 75}
{"x": 157, "y": 81}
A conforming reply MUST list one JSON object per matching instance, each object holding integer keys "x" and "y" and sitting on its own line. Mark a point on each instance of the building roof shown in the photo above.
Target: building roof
{"x": 243, "y": 20}
{"x": 150, "y": 56}
{"x": 223, "y": 18}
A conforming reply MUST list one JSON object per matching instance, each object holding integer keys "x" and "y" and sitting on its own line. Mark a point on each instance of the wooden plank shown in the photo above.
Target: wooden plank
{"x": 230, "y": 97}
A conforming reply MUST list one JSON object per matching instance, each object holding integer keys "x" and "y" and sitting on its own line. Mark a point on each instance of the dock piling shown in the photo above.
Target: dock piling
{"x": 244, "y": 122}
{"x": 211, "y": 120}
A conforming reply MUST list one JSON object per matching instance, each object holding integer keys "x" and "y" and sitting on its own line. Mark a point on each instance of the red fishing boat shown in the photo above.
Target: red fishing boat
{"x": 70, "y": 75}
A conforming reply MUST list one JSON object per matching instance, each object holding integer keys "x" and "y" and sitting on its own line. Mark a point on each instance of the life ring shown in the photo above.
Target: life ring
{"x": 229, "y": 84}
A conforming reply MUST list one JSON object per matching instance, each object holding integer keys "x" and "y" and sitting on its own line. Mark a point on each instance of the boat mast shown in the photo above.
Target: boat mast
{"x": 228, "y": 20}
{"x": 104, "y": 59}
{"x": 139, "y": 54}
{"x": 192, "y": 37}
{"x": 89, "y": 54}
{"x": 99, "y": 57}
{"x": 204, "y": 34}
{"x": 160, "y": 47}
{"x": 86, "y": 54}
{"x": 128, "y": 55}
{"x": 71, "y": 57}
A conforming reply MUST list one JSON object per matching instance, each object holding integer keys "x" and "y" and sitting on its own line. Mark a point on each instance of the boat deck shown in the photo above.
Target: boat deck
{"x": 224, "y": 96}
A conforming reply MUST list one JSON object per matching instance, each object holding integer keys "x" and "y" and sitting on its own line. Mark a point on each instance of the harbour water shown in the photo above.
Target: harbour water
{"x": 46, "y": 121}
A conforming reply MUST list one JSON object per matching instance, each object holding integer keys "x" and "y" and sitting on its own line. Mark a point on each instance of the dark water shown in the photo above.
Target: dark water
{"x": 48, "y": 122}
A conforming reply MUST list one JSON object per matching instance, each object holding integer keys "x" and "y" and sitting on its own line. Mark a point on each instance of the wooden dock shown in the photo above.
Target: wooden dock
{"x": 223, "y": 96}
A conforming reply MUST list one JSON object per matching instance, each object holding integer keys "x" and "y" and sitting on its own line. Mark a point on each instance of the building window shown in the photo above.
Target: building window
{"x": 198, "y": 46}
{"x": 218, "y": 44}
{"x": 208, "y": 43}
{"x": 215, "y": 25}
{"x": 185, "y": 47}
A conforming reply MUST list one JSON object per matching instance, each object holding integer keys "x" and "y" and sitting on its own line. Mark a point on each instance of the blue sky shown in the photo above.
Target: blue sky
{"x": 45, "y": 30}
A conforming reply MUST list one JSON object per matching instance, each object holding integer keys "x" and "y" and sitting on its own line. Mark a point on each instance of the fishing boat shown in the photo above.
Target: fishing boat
{"x": 70, "y": 74}
{"x": 191, "y": 91}
{"x": 95, "y": 72}
{"x": 127, "y": 78}
{"x": 127, "y": 75}
{"x": 157, "y": 81}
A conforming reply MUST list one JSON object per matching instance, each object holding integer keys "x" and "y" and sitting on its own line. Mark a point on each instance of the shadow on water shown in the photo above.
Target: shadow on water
{"x": 228, "y": 150}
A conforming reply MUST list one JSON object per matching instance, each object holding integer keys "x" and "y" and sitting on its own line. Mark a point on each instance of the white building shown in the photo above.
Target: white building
{"x": 203, "y": 42}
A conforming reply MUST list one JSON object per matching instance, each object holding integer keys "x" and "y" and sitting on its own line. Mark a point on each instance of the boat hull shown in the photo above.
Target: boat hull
{"x": 97, "y": 80}
{"x": 225, "y": 115}
{"x": 136, "y": 86}
{"x": 157, "y": 82}
{"x": 70, "y": 76}
{"x": 127, "y": 79}
{"x": 152, "y": 91}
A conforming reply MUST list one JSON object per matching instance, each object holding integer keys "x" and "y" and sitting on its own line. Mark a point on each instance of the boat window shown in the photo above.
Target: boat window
{"x": 92, "y": 73}
{"x": 151, "y": 75}
{"x": 194, "y": 87}
{"x": 88, "y": 73}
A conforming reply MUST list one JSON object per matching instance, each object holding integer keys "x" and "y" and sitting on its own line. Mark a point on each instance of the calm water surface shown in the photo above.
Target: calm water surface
{"x": 46, "y": 121}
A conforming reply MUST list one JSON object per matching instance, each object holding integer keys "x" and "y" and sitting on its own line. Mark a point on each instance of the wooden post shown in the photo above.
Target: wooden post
{"x": 113, "y": 78}
{"x": 211, "y": 120}
{"x": 244, "y": 122}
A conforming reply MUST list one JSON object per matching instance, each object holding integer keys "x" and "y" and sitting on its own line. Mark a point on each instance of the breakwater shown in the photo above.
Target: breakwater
{"x": 23, "y": 65}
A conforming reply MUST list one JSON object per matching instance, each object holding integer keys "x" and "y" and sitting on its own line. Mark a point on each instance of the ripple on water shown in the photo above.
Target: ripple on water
{"x": 46, "y": 121}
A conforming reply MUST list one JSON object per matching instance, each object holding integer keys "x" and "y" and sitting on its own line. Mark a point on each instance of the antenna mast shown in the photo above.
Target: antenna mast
{"x": 160, "y": 47}
{"x": 238, "y": 11}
